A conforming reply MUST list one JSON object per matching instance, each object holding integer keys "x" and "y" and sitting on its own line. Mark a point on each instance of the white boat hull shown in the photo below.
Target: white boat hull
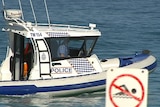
{"x": 74, "y": 85}
{"x": 58, "y": 87}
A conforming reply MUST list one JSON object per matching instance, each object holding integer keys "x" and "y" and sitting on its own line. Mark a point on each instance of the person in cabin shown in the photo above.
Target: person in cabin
{"x": 63, "y": 49}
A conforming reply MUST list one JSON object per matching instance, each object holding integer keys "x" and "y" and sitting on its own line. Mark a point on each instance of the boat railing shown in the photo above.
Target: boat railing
{"x": 65, "y": 26}
{"x": 20, "y": 8}
{"x": 20, "y": 15}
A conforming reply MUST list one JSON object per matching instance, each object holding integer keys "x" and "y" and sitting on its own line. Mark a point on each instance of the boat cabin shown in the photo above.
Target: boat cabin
{"x": 36, "y": 50}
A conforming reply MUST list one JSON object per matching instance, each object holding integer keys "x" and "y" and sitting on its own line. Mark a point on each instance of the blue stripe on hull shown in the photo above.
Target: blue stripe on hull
{"x": 18, "y": 90}
{"x": 32, "y": 89}
{"x": 152, "y": 66}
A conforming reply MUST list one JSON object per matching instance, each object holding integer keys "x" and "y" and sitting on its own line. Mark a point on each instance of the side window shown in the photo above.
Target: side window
{"x": 89, "y": 46}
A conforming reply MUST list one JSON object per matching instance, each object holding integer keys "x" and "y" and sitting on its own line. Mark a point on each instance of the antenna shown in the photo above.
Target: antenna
{"x": 3, "y": 4}
{"x": 4, "y": 11}
{"x": 20, "y": 6}
{"x": 47, "y": 12}
{"x": 33, "y": 12}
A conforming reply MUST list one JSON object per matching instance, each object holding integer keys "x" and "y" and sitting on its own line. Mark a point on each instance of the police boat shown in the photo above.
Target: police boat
{"x": 33, "y": 65}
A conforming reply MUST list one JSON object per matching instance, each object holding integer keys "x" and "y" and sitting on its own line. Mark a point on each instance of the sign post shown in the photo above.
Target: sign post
{"x": 126, "y": 87}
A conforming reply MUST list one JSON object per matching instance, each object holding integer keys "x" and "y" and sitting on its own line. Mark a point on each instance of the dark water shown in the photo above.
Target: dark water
{"x": 127, "y": 26}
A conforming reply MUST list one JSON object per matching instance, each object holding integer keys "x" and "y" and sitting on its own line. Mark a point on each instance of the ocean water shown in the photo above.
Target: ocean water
{"x": 127, "y": 26}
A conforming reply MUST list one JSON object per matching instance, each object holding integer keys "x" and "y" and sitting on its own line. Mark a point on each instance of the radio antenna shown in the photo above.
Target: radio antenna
{"x": 33, "y": 12}
{"x": 20, "y": 6}
{"x": 47, "y": 12}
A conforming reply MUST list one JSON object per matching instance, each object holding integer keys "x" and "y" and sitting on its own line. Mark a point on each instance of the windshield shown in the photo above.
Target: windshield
{"x": 71, "y": 47}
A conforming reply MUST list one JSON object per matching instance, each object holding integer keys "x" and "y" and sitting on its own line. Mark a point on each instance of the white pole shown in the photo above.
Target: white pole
{"x": 47, "y": 12}
{"x": 3, "y": 4}
{"x": 20, "y": 6}
{"x": 33, "y": 12}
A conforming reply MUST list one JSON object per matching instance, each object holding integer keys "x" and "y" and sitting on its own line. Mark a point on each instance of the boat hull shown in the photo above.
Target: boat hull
{"x": 69, "y": 86}
{"x": 58, "y": 87}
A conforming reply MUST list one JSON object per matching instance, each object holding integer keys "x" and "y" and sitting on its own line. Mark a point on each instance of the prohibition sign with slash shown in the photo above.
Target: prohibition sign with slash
{"x": 124, "y": 91}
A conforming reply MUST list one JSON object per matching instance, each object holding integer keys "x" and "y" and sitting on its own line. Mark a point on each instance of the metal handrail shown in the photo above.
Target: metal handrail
{"x": 71, "y": 27}
{"x": 63, "y": 25}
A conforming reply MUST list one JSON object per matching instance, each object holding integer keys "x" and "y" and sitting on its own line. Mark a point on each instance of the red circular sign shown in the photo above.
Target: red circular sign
{"x": 126, "y": 92}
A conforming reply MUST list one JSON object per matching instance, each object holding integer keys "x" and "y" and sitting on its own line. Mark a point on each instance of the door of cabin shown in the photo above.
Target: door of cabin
{"x": 17, "y": 63}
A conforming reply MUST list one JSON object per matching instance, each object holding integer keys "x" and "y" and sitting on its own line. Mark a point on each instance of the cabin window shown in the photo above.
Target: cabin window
{"x": 90, "y": 43}
{"x": 76, "y": 47}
